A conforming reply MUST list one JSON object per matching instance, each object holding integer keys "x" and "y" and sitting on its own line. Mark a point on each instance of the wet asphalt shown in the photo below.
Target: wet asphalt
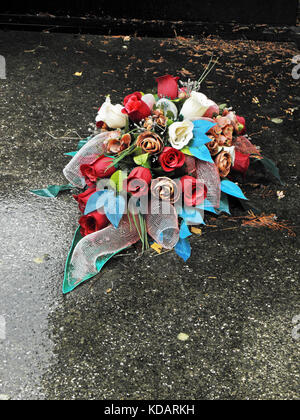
{"x": 236, "y": 298}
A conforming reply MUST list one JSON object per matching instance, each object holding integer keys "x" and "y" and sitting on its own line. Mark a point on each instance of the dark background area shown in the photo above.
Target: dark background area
{"x": 255, "y": 11}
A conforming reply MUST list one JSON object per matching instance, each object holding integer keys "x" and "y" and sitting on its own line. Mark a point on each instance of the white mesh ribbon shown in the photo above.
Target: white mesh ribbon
{"x": 162, "y": 224}
{"x": 209, "y": 174}
{"x": 87, "y": 155}
{"x": 103, "y": 243}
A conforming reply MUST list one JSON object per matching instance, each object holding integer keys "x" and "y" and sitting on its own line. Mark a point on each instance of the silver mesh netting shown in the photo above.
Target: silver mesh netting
{"x": 209, "y": 174}
{"x": 87, "y": 155}
{"x": 100, "y": 244}
{"x": 162, "y": 224}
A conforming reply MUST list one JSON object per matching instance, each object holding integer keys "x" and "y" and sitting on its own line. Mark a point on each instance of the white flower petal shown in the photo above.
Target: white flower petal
{"x": 149, "y": 99}
{"x": 112, "y": 115}
{"x": 196, "y": 106}
{"x": 180, "y": 134}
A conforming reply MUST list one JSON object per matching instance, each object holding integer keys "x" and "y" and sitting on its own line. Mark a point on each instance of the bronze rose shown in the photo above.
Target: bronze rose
{"x": 165, "y": 189}
{"x": 228, "y": 133}
{"x": 223, "y": 162}
{"x": 222, "y": 141}
{"x": 116, "y": 146}
{"x": 149, "y": 123}
{"x": 215, "y": 131}
{"x": 150, "y": 143}
{"x": 159, "y": 118}
{"x": 223, "y": 122}
{"x": 213, "y": 146}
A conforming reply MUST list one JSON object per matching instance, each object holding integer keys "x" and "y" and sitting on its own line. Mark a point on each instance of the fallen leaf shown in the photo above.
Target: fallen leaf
{"x": 39, "y": 260}
{"x": 185, "y": 72}
{"x": 277, "y": 120}
{"x": 196, "y": 231}
{"x": 158, "y": 248}
{"x": 78, "y": 74}
{"x": 183, "y": 337}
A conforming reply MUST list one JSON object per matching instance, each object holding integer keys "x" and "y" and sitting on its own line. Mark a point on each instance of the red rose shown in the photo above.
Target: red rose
{"x": 168, "y": 87}
{"x": 135, "y": 107}
{"x": 83, "y": 198}
{"x": 138, "y": 182}
{"x": 97, "y": 170}
{"x": 171, "y": 159}
{"x": 241, "y": 163}
{"x": 212, "y": 110}
{"x": 195, "y": 192}
{"x": 241, "y": 129}
{"x": 93, "y": 222}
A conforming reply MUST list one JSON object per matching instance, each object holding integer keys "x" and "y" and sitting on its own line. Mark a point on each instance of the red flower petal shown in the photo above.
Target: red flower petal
{"x": 171, "y": 159}
{"x": 242, "y": 162}
{"x": 168, "y": 87}
{"x": 135, "y": 108}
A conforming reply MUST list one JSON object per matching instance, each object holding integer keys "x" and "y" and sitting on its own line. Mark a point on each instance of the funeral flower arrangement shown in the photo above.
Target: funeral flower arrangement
{"x": 158, "y": 162}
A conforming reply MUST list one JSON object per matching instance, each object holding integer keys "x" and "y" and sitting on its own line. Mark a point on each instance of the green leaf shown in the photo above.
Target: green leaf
{"x": 247, "y": 205}
{"x": 138, "y": 151}
{"x": 222, "y": 107}
{"x": 117, "y": 180}
{"x": 271, "y": 167}
{"x": 126, "y": 129}
{"x": 83, "y": 142}
{"x": 142, "y": 160}
{"x": 72, "y": 154}
{"x": 170, "y": 115}
{"x": 52, "y": 191}
{"x": 71, "y": 283}
{"x": 186, "y": 151}
{"x": 277, "y": 120}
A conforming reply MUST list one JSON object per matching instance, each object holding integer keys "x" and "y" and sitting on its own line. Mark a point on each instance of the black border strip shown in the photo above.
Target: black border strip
{"x": 142, "y": 28}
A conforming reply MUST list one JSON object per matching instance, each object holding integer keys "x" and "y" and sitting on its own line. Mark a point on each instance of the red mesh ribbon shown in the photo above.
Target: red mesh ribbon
{"x": 243, "y": 145}
{"x": 190, "y": 163}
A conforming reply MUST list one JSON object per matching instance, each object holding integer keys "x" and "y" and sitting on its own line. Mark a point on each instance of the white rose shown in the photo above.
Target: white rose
{"x": 112, "y": 115}
{"x": 149, "y": 100}
{"x": 196, "y": 106}
{"x": 180, "y": 134}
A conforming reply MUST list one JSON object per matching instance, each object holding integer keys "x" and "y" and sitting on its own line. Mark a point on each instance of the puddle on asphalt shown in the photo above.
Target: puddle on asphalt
{"x": 35, "y": 236}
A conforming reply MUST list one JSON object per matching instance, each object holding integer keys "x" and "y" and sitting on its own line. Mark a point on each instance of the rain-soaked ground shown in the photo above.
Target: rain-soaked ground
{"x": 236, "y": 298}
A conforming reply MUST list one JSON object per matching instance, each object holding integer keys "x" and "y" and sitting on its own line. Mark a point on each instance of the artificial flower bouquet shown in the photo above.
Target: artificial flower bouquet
{"x": 156, "y": 165}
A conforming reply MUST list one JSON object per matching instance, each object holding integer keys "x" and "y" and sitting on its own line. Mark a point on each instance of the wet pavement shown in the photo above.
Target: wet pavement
{"x": 235, "y": 299}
